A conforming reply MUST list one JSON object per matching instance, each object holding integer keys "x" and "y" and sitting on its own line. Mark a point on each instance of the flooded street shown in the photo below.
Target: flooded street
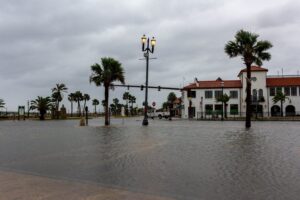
{"x": 173, "y": 159}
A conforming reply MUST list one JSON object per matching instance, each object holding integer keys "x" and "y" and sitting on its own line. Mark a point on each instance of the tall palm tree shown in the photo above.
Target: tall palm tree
{"x": 57, "y": 95}
{"x": 126, "y": 96}
{"x": 86, "y": 97}
{"x": 71, "y": 98}
{"x": 105, "y": 74}
{"x": 224, "y": 99}
{"x": 2, "y": 103}
{"x": 78, "y": 97}
{"x": 171, "y": 98}
{"x": 252, "y": 51}
{"x": 103, "y": 103}
{"x": 117, "y": 105}
{"x": 42, "y": 104}
{"x": 95, "y": 103}
{"x": 132, "y": 100}
{"x": 280, "y": 97}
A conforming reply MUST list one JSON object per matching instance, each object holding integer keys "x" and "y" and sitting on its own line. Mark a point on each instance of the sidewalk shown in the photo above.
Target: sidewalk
{"x": 24, "y": 186}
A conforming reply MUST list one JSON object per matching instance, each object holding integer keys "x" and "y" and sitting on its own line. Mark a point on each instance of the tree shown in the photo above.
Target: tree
{"x": 132, "y": 100}
{"x": 251, "y": 51}
{"x": 95, "y": 103}
{"x": 105, "y": 74}
{"x": 85, "y": 98}
{"x": 224, "y": 99}
{"x": 57, "y": 95}
{"x": 126, "y": 96}
{"x": 172, "y": 97}
{"x": 78, "y": 97}
{"x": 71, "y": 98}
{"x": 280, "y": 97}
{"x": 165, "y": 105}
{"x": 42, "y": 104}
{"x": 2, "y": 103}
{"x": 117, "y": 105}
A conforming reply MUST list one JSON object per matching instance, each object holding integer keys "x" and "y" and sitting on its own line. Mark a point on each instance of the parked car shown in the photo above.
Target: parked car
{"x": 159, "y": 114}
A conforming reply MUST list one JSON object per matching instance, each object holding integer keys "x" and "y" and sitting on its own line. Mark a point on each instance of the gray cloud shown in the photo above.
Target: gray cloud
{"x": 47, "y": 42}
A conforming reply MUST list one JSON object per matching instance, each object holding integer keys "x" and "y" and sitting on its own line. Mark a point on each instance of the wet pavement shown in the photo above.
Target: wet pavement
{"x": 176, "y": 159}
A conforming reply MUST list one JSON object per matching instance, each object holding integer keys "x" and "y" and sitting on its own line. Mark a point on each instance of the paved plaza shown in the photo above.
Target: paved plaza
{"x": 177, "y": 159}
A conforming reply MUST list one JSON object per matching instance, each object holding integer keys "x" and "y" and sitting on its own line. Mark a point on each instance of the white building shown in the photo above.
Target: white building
{"x": 199, "y": 98}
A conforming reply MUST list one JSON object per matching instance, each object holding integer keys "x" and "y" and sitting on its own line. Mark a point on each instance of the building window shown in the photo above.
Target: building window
{"x": 218, "y": 108}
{"x": 234, "y": 109}
{"x": 218, "y": 93}
{"x": 287, "y": 91}
{"x": 278, "y": 89}
{"x": 208, "y": 94}
{"x": 208, "y": 109}
{"x": 254, "y": 95}
{"x": 234, "y": 94}
{"x": 294, "y": 91}
{"x": 272, "y": 91}
{"x": 191, "y": 94}
{"x": 261, "y": 95}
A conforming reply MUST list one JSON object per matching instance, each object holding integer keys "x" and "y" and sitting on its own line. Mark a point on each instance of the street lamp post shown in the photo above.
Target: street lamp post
{"x": 146, "y": 49}
{"x": 222, "y": 85}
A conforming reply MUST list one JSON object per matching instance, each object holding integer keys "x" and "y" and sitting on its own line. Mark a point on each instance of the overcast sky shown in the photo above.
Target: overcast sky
{"x": 47, "y": 42}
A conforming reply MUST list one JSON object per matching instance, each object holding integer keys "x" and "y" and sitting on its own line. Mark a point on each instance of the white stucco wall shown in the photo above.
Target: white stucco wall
{"x": 259, "y": 83}
{"x": 196, "y": 102}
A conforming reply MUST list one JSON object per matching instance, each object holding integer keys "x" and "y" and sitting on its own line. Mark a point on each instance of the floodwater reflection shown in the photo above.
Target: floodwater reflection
{"x": 179, "y": 159}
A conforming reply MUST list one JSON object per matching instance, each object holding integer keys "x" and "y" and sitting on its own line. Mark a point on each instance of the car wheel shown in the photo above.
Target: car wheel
{"x": 159, "y": 116}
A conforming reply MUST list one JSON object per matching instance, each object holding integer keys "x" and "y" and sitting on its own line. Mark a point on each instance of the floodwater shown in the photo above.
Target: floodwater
{"x": 179, "y": 159}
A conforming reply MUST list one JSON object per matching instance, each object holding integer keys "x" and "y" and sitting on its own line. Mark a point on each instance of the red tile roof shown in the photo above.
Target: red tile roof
{"x": 254, "y": 69}
{"x": 214, "y": 84}
{"x": 283, "y": 81}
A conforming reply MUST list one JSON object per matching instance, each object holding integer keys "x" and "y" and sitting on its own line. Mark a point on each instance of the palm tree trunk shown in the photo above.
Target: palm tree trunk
{"x": 248, "y": 97}
{"x": 106, "y": 94}
{"x": 83, "y": 109}
{"x": 42, "y": 115}
{"x": 281, "y": 111}
{"x": 71, "y": 108}
{"x": 95, "y": 110}
{"x": 57, "y": 110}
{"x": 79, "y": 108}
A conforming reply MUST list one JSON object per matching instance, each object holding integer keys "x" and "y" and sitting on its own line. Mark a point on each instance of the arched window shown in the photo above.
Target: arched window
{"x": 254, "y": 95}
{"x": 261, "y": 95}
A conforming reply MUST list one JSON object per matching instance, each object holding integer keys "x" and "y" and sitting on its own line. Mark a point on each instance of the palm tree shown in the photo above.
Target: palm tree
{"x": 95, "y": 103}
{"x": 132, "y": 100}
{"x": 71, "y": 98}
{"x": 251, "y": 51}
{"x": 117, "y": 105}
{"x": 42, "y": 104}
{"x": 57, "y": 95}
{"x": 78, "y": 97}
{"x": 171, "y": 98}
{"x": 106, "y": 73}
{"x": 126, "y": 96}
{"x": 2, "y": 103}
{"x": 224, "y": 99}
{"x": 280, "y": 97}
{"x": 103, "y": 103}
{"x": 85, "y": 98}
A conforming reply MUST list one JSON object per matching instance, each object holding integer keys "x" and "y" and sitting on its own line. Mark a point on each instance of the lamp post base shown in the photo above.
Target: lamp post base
{"x": 145, "y": 122}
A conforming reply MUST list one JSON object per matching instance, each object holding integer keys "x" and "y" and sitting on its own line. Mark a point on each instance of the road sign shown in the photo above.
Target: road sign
{"x": 153, "y": 103}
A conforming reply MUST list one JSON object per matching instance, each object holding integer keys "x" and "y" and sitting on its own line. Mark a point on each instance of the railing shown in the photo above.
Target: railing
{"x": 217, "y": 115}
